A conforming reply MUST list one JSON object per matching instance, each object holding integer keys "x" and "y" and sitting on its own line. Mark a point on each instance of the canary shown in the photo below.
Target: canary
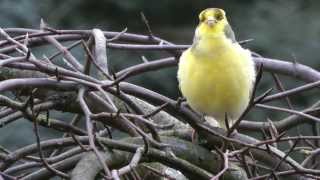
{"x": 216, "y": 74}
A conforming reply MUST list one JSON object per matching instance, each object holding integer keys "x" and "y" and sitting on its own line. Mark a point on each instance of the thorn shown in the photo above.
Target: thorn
{"x": 273, "y": 175}
{"x": 261, "y": 97}
{"x": 265, "y": 137}
{"x": 114, "y": 76}
{"x": 31, "y": 100}
{"x": 245, "y": 41}
{"x": 45, "y": 26}
{"x": 108, "y": 131}
{"x": 42, "y": 24}
{"x": 37, "y": 114}
{"x": 116, "y": 37}
{"x": 56, "y": 73}
{"x": 117, "y": 115}
{"x": 26, "y": 40}
{"x": 272, "y": 128}
{"x": 144, "y": 59}
{"x": 146, "y": 22}
{"x": 157, "y": 110}
{"x": 259, "y": 74}
{"x": 47, "y": 117}
{"x": 273, "y": 131}
{"x": 281, "y": 135}
{"x": 28, "y": 55}
{"x": 295, "y": 63}
{"x": 117, "y": 89}
{"x": 146, "y": 149}
{"x": 226, "y": 121}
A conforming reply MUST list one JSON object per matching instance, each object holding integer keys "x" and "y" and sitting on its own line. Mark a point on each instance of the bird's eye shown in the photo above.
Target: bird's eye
{"x": 219, "y": 16}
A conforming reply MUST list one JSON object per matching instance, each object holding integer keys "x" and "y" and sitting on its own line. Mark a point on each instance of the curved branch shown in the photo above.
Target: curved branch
{"x": 186, "y": 152}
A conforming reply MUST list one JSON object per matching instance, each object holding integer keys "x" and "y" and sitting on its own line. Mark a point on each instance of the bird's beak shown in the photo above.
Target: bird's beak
{"x": 211, "y": 21}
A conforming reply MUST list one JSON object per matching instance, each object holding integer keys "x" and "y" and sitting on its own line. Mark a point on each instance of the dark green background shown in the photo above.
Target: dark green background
{"x": 281, "y": 29}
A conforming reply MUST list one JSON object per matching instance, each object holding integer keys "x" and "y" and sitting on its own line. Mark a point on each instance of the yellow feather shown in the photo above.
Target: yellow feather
{"x": 216, "y": 75}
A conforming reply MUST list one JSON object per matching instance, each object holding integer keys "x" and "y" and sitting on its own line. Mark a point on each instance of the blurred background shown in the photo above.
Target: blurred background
{"x": 281, "y": 29}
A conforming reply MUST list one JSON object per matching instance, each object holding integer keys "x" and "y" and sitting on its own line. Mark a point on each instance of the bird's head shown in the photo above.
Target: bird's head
{"x": 212, "y": 21}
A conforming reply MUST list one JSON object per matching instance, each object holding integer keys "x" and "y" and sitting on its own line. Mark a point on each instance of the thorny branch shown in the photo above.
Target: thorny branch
{"x": 105, "y": 98}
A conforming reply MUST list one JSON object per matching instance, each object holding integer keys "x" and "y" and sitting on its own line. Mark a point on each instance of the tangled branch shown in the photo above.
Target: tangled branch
{"x": 157, "y": 128}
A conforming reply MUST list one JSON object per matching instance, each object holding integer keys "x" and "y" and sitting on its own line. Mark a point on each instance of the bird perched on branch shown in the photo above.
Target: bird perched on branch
{"x": 216, "y": 74}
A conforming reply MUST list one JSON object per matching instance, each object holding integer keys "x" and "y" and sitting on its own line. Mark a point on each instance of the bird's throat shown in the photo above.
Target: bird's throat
{"x": 210, "y": 44}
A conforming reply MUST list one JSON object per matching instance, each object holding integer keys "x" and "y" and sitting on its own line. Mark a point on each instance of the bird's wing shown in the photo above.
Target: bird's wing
{"x": 229, "y": 33}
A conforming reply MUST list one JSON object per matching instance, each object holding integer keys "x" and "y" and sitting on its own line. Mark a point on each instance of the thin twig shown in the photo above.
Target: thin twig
{"x": 146, "y": 22}
{"x": 225, "y": 166}
{"x": 133, "y": 163}
{"x": 87, "y": 113}
{"x": 70, "y": 59}
{"x": 281, "y": 88}
{"x": 289, "y": 111}
{"x": 46, "y": 164}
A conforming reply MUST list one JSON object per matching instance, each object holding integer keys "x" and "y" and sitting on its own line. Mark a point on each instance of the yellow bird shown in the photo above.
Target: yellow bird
{"x": 216, "y": 74}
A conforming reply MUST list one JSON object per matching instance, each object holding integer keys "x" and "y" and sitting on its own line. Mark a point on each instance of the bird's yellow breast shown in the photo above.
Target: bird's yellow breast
{"x": 216, "y": 77}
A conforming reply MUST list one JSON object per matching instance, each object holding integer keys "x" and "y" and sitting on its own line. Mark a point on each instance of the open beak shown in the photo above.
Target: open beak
{"x": 211, "y": 21}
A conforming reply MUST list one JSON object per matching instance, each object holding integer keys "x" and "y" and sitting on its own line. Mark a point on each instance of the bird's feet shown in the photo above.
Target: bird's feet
{"x": 180, "y": 100}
